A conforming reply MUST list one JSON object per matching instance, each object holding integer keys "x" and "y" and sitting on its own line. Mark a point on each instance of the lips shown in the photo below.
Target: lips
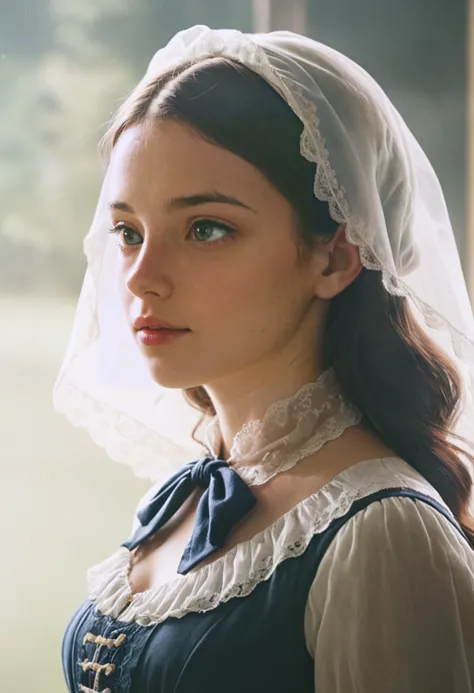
{"x": 166, "y": 329}
{"x": 157, "y": 337}
{"x": 153, "y": 323}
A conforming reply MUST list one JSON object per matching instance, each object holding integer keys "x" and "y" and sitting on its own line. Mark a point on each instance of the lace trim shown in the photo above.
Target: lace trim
{"x": 122, "y": 437}
{"x": 291, "y": 429}
{"x": 332, "y": 428}
{"x": 327, "y": 189}
{"x": 237, "y": 573}
{"x": 117, "y": 431}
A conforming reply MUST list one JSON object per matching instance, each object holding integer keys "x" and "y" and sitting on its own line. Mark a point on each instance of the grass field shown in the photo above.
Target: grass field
{"x": 64, "y": 504}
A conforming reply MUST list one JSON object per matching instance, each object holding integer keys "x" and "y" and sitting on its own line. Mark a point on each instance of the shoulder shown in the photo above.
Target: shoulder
{"x": 397, "y": 528}
{"x": 393, "y": 562}
{"x": 392, "y": 604}
{"x": 406, "y": 533}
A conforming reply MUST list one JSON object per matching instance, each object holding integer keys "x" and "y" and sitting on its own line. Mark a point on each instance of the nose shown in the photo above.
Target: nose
{"x": 149, "y": 272}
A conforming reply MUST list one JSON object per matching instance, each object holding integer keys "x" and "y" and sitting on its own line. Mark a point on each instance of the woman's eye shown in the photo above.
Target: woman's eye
{"x": 203, "y": 230}
{"x": 124, "y": 231}
{"x": 206, "y": 232}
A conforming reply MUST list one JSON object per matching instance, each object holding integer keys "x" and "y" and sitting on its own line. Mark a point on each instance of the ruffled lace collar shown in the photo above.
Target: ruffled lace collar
{"x": 243, "y": 567}
{"x": 292, "y": 429}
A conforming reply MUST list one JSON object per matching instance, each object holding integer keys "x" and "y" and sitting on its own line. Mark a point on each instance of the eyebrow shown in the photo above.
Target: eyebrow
{"x": 188, "y": 201}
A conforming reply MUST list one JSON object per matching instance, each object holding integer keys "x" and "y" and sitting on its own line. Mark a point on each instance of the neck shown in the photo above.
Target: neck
{"x": 234, "y": 411}
{"x": 290, "y": 429}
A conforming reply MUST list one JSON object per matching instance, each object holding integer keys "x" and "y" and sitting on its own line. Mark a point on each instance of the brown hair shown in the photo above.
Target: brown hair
{"x": 407, "y": 390}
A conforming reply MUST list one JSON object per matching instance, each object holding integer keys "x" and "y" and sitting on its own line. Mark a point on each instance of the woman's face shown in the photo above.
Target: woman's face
{"x": 207, "y": 244}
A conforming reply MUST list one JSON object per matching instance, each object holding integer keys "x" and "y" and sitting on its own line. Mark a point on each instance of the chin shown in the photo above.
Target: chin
{"x": 171, "y": 378}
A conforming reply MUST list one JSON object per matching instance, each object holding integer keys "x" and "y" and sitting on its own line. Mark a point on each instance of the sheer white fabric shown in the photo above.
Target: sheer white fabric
{"x": 392, "y": 606}
{"x": 377, "y": 182}
{"x": 291, "y": 429}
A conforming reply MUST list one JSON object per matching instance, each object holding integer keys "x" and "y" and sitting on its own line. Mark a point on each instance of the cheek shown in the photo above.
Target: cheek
{"x": 253, "y": 296}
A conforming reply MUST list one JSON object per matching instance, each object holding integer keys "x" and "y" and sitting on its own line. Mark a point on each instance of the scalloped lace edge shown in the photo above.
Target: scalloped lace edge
{"x": 238, "y": 572}
{"x": 326, "y": 189}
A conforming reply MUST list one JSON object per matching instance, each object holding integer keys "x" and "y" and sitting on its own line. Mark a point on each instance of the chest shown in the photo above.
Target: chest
{"x": 155, "y": 561}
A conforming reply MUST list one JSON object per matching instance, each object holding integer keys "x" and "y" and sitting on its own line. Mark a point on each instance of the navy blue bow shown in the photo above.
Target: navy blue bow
{"x": 226, "y": 500}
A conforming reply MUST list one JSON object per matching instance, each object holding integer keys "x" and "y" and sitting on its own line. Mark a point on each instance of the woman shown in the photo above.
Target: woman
{"x": 275, "y": 218}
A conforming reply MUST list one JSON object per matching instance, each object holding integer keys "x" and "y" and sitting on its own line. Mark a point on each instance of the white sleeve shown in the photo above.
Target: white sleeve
{"x": 391, "y": 608}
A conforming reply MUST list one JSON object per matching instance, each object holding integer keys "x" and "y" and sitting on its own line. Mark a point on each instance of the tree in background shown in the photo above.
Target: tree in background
{"x": 65, "y": 65}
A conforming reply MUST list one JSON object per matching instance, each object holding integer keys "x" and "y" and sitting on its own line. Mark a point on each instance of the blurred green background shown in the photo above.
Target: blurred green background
{"x": 64, "y": 66}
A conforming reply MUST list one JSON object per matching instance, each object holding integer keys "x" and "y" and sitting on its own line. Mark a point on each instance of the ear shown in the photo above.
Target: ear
{"x": 337, "y": 265}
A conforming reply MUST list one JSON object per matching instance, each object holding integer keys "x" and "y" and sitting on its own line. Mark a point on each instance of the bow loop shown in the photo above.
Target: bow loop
{"x": 225, "y": 501}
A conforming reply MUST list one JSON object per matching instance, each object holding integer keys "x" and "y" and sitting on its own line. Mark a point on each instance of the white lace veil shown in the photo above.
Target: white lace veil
{"x": 377, "y": 181}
